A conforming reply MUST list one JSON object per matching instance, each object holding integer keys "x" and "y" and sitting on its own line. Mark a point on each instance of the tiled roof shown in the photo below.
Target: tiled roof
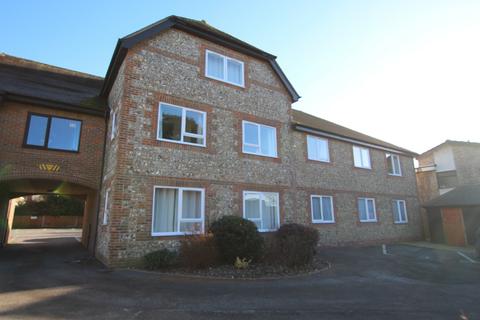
{"x": 323, "y": 126}
{"x": 26, "y": 79}
{"x": 462, "y": 196}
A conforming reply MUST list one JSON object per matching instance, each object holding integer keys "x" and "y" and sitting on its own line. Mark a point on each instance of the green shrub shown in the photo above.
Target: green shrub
{"x": 237, "y": 237}
{"x": 295, "y": 245}
{"x": 161, "y": 259}
{"x": 198, "y": 252}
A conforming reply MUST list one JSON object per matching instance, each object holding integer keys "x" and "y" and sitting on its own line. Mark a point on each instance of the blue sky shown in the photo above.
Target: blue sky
{"x": 407, "y": 72}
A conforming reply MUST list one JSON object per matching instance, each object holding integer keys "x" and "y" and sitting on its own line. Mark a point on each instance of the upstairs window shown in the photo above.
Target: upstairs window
{"x": 366, "y": 210}
{"x": 223, "y": 68}
{"x": 399, "y": 211}
{"x": 262, "y": 209}
{"x": 447, "y": 179}
{"x": 393, "y": 164}
{"x": 322, "y": 209}
{"x": 181, "y": 125}
{"x": 317, "y": 149}
{"x": 54, "y": 133}
{"x": 259, "y": 139}
{"x": 361, "y": 157}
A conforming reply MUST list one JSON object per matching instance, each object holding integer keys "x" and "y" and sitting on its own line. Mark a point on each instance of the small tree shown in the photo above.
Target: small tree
{"x": 52, "y": 205}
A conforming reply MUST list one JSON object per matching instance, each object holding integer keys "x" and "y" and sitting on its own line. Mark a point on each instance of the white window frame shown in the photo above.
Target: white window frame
{"x": 396, "y": 202}
{"x": 392, "y": 161}
{"x": 362, "y": 165}
{"x": 366, "y": 209}
{"x": 183, "y": 133}
{"x": 262, "y": 196}
{"x": 321, "y": 197}
{"x": 180, "y": 207}
{"x": 259, "y": 125}
{"x": 225, "y": 69}
{"x": 106, "y": 209}
{"x": 328, "y": 149}
{"x": 113, "y": 116}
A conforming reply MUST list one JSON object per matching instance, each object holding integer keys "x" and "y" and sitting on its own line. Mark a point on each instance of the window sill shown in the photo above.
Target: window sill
{"x": 364, "y": 168}
{"x": 184, "y": 143}
{"x": 225, "y": 81}
{"x": 322, "y": 222}
{"x": 173, "y": 234}
{"x": 400, "y": 223}
{"x": 26, "y": 146}
{"x": 368, "y": 221}
{"x": 395, "y": 175}
{"x": 260, "y": 155}
{"x": 321, "y": 161}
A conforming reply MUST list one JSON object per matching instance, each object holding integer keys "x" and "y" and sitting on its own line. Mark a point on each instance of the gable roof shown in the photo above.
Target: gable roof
{"x": 308, "y": 123}
{"x": 34, "y": 82}
{"x": 452, "y": 143}
{"x": 462, "y": 196}
{"x": 197, "y": 28}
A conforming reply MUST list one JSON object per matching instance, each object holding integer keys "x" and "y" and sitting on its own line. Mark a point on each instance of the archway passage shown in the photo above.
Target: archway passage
{"x": 10, "y": 193}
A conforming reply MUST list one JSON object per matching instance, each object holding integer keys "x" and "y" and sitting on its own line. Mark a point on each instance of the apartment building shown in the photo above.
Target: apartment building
{"x": 200, "y": 124}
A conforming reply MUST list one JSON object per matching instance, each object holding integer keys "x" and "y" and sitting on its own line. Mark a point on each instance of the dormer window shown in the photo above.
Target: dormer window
{"x": 223, "y": 68}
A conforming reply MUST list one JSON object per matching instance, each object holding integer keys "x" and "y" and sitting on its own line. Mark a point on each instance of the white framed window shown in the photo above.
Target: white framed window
{"x": 393, "y": 164}
{"x": 181, "y": 125}
{"x": 366, "y": 210}
{"x": 317, "y": 149}
{"x": 400, "y": 211}
{"x": 113, "y": 116}
{"x": 361, "y": 157}
{"x": 106, "y": 207}
{"x": 177, "y": 211}
{"x": 322, "y": 209}
{"x": 259, "y": 139}
{"x": 223, "y": 68}
{"x": 263, "y": 209}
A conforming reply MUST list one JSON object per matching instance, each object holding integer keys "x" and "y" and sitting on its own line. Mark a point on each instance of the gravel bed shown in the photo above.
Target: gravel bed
{"x": 254, "y": 271}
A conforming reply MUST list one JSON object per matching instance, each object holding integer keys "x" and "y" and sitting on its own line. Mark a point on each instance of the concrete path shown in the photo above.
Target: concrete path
{"x": 53, "y": 278}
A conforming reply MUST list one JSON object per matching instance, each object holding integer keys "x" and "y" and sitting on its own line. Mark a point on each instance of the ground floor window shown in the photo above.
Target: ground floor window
{"x": 262, "y": 208}
{"x": 322, "y": 209}
{"x": 399, "y": 211}
{"x": 366, "y": 210}
{"x": 178, "y": 211}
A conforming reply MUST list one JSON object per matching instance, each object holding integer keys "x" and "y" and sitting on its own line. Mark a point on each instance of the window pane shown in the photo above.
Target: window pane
{"x": 191, "y": 204}
{"x": 371, "y": 209}
{"x": 317, "y": 149}
{"x": 170, "y": 122}
{"x": 327, "y": 209}
{"x": 396, "y": 165}
{"x": 252, "y": 206}
{"x": 390, "y": 164}
{"x": 193, "y": 140}
{"x": 191, "y": 227}
{"x": 64, "y": 134}
{"x": 215, "y": 66}
{"x": 250, "y": 132}
{"x": 234, "y": 71}
{"x": 36, "y": 131}
{"x": 165, "y": 210}
{"x": 267, "y": 141}
{"x": 403, "y": 212}
{"x": 357, "y": 157}
{"x": 365, "y": 158}
{"x": 194, "y": 122}
{"x": 316, "y": 209}
{"x": 362, "y": 209}
{"x": 396, "y": 212}
{"x": 269, "y": 211}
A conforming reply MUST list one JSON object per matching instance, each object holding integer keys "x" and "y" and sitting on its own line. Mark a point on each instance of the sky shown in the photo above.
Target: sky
{"x": 404, "y": 71}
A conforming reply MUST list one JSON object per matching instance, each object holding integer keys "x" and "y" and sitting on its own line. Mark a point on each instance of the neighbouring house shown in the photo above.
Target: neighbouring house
{"x": 448, "y": 178}
{"x": 200, "y": 125}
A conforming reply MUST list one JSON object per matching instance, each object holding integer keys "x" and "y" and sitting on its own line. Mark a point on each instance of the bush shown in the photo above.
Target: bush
{"x": 295, "y": 245}
{"x": 237, "y": 237}
{"x": 198, "y": 252}
{"x": 161, "y": 259}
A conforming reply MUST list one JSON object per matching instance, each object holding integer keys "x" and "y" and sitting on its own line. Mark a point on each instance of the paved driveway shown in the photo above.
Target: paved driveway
{"x": 54, "y": 279}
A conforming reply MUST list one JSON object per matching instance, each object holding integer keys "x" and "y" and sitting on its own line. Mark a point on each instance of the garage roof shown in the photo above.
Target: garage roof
{"x": 462, "y": 196}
